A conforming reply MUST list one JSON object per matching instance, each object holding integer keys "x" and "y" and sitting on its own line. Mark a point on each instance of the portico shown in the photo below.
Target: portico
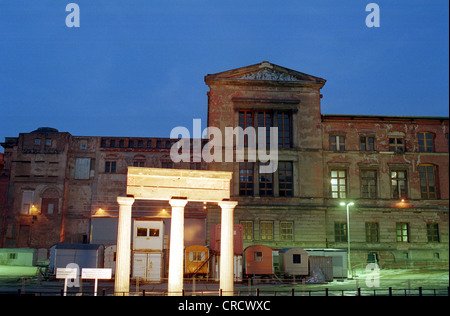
{"x": 179, "y": 187}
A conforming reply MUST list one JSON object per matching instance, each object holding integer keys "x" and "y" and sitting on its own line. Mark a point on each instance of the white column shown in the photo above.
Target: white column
{"x": 123, "y": 255}
{"x": 176, "y": 252}
{"x": 227, "y": 248}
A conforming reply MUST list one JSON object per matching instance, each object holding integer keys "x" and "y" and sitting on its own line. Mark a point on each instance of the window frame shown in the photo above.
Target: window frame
{"x": 427, "y": 194}
{"x": 424, "y": 147}
{"x": 338, "y": 184}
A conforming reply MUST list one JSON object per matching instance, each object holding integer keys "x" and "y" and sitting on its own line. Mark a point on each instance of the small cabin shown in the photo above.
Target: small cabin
{"x": 258, "y": 260}
{"x": 196, "y": 260}
{"x": 293, "y": 261}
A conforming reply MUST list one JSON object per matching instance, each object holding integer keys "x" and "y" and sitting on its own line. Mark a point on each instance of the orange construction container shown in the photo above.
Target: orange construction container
{"x": 196, "y": 260}
{"x": 258, "y": 260}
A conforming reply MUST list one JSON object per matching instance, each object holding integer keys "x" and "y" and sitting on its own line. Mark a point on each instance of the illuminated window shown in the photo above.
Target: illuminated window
{"x": 427, "y": 181}
{"x": 338, "y": 184}
{"x": 247, "y": 230}
{"x": 372, "y": 232}
{"x": 402, "y": 232}
{"x": 397, "y": 144}
{"x": 285, "y": 179}
{"x": 399, "y": 184}
{"x": 284, "y": 130}
{"x": 340, "y": 232}
{"x": 426, "y": 142}
{"x": 266, "y": 230}
{"x": 286, "y": 230}
{"x": 368, "y": 184}
{"x": 433, "y": 232}
{"x": 337, "y": 142}
{"x": 27, "y": 201}
{"x": 246, "y": 178}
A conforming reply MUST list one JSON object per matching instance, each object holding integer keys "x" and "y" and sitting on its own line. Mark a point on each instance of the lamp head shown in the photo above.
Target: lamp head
{"x": 351, "y": 203}
{"x": 342, "y": 204}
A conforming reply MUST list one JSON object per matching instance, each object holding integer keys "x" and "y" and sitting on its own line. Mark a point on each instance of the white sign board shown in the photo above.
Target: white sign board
{"x": 96, "y": 274}
{"x": 102, "y": 274}
{"x": 66, "y": 273}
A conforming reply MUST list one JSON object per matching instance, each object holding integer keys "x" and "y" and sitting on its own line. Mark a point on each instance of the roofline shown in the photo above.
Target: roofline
{"x": 396, "y": 117}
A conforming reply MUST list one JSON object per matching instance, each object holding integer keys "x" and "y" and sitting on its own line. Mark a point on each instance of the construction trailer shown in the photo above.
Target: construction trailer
{"x": 293, "y": 261}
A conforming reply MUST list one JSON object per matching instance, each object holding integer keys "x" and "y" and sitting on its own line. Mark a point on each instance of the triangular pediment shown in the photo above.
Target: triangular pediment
{"x": 265, "y": 72}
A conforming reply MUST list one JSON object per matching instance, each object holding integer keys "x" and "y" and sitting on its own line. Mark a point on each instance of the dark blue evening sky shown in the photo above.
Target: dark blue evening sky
{"x": 136, "y": 68}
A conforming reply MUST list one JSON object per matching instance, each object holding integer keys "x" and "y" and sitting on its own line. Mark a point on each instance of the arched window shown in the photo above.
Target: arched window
{"x": 50, "y": 202}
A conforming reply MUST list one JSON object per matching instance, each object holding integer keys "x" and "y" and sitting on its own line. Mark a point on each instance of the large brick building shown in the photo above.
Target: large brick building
{"x": 63, "y": 188}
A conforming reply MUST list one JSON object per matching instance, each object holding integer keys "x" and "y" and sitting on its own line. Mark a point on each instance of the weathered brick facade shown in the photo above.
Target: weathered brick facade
{"x": 395, "y": 170}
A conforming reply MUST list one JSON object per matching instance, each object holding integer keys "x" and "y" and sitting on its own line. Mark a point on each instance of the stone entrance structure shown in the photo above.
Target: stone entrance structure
{"x": 178, "y": 187}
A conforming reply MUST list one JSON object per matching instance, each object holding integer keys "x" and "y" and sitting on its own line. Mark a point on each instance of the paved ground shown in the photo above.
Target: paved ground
{"x": 403, "y": 281}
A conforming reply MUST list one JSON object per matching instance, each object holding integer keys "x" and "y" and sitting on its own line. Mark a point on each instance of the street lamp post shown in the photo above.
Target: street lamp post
{"x": 349, "y": 267}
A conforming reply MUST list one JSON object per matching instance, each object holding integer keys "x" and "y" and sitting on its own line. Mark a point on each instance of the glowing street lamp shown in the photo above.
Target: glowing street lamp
{"x": 349, "y": 269}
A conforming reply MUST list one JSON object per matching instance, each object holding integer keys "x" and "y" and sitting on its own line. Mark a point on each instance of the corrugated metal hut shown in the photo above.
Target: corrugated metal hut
{"x": 84, "y": 255}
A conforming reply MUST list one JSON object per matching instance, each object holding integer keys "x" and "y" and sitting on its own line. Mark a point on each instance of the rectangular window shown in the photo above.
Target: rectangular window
{"x": 246, "y": 178}
{"x": 402, "y": 232}
{"x": 247, "y": 230}
{"x": 142, "y": 232}
{"x": 426, "y": 142}
{"x": 131, "y": 144}
{"x": 197, "y": 256}
{"x": 367, "y": 143}
{"x": 427, "y": 182}
{"x": 110, "y": 167}
{"x": 285, "y": 179}
{"x": 287, "y": 230}
{"x": 340, "y": 232}
{"x": 265, "y": 120}
{"x": 337, "y": 142}
{"x": 399, "y": 184}
{"x": 82, "y": 168}
{"x": 296, "y": 258}
{"x": 433, "y": 232}
{"x": 112, "y": 143}
{"x": 196, "y": 166}
{"x": 266, "y": 184}
{"x": 258, "y": 256}
{"x": 48, "y": 142}
{"x": 397, "y": 144}
{"x": 284, "y": 130}
{"x": 27, "y": 201}
{"x": 372, "y": 232}
{"x": 245, "y": 120}
{"x": 49, "y": 206}
{"x": 338, "y": 184}
{"x": 368, "y": 184}
{"x": 121, "y": 143}
{"x": 138, "y": 163}
{"x": 266, "y": 230}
